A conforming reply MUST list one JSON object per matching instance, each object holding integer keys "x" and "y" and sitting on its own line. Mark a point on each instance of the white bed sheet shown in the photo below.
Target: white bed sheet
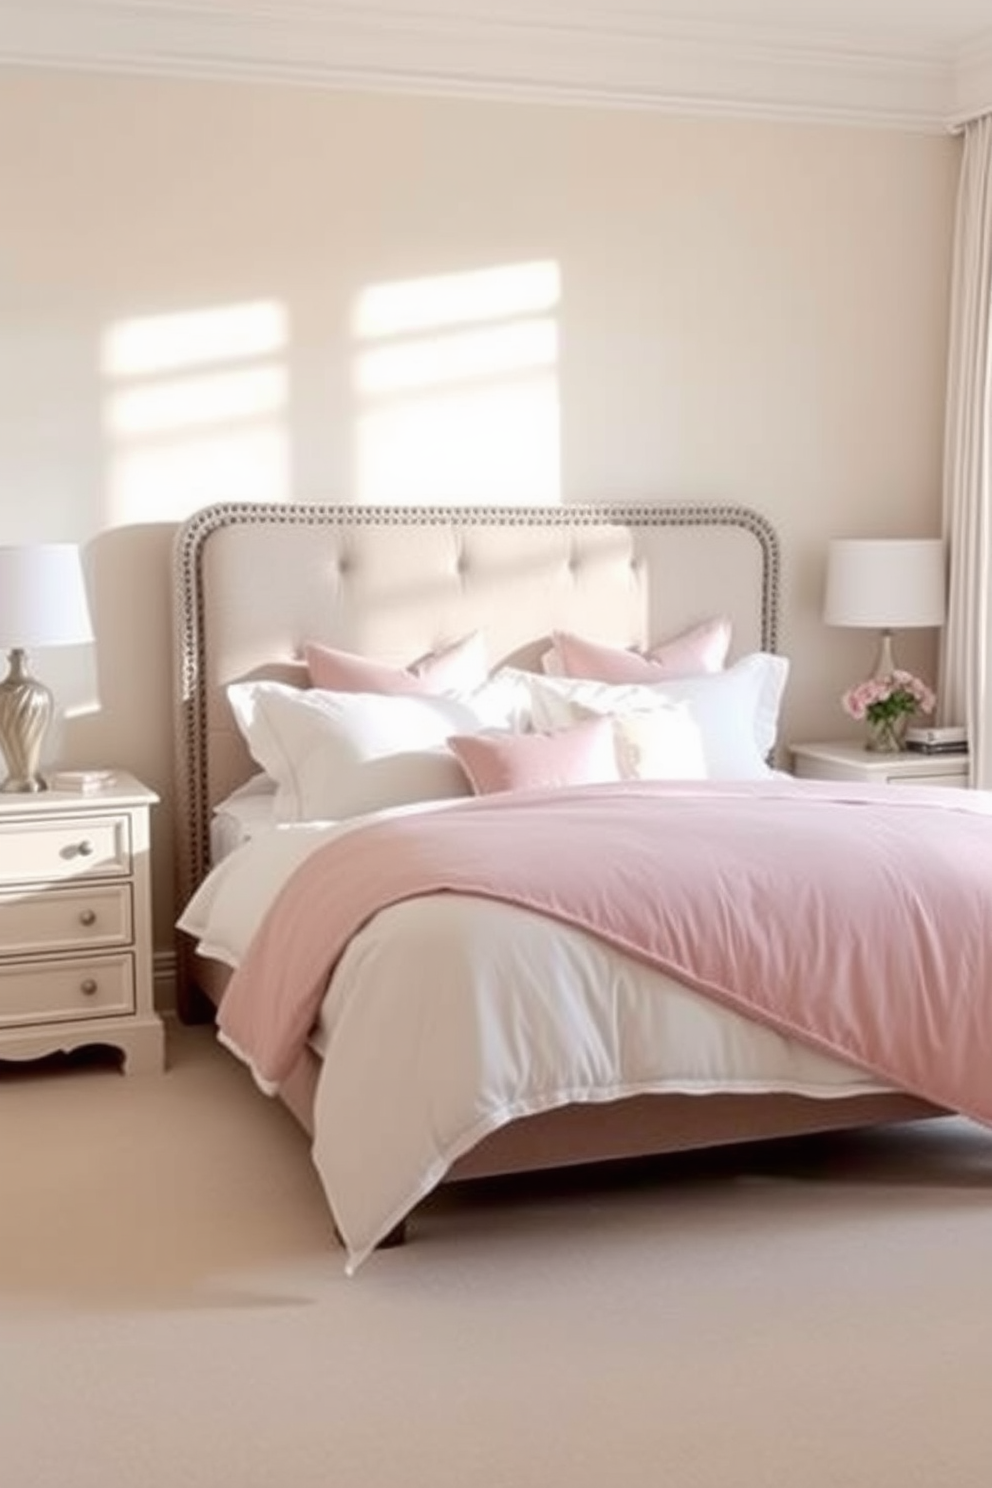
{"x": 449, "y": 1016}
{"x": 247, "y": 810}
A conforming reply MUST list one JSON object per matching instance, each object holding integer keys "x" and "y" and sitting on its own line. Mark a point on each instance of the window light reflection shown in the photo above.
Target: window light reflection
{"x": 457, "y": 358}
{"x": 188, "y": 403}
{"x": 196, "y": 410}
{"x": 155, "y": 344}
{"x": 481, "y": 295}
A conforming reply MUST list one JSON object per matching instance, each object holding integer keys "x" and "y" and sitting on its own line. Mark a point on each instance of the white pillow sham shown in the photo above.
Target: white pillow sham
{"x": 334, "y": 755}
{"x": 736, "y": 711}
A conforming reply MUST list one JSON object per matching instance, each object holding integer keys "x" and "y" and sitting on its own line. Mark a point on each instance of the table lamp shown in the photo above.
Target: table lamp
{"x": 42, "y": 603}
{"x": 885, "y": 584}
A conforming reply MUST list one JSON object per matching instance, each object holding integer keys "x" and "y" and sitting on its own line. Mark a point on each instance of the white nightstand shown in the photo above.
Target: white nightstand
{"x": 846, "y": 761}
{"x": 75, "y": 924}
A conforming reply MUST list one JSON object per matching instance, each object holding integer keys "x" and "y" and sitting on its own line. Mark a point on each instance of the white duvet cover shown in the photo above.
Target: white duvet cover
{"x": 449, "y": 1016}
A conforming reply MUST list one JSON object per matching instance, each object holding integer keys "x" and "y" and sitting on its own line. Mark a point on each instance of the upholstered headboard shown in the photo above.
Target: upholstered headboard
{"x": 253, "y": 583}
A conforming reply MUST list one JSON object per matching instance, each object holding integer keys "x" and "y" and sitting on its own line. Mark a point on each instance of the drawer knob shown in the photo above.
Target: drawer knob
{"x": 87, "y": 917}
{"x": 85, "y": 848}
{"x": 88, "y": 987}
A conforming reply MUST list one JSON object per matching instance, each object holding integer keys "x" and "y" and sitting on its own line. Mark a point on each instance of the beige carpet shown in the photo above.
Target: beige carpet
{"x": 173, "y": 1310}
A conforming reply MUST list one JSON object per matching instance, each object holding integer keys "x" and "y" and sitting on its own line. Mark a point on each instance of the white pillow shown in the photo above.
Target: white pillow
{"x": 503, "y": 701}
{"x": 736, "y": 710}
{"x": 339, "y": 754}
{"x": 659, "y": 743}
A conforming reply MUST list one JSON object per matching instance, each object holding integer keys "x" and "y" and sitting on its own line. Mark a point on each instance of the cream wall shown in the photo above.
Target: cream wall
{"x": 748, "y": 312}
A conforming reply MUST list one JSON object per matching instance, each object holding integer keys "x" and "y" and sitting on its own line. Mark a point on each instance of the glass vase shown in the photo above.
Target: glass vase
{"x": 887, "y": 735}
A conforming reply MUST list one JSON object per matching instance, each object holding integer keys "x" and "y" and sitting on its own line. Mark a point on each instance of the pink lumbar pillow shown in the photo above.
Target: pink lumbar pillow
{"x": 699, "y": 650}
{"x": 584, "y": 754}
{"x": 460, "y": 667}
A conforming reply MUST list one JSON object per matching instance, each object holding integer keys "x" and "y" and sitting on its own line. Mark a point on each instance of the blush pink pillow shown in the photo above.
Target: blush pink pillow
{"x": 458, "y": 667}
{"x": 701, "y": 649}
{"x": 581, "y": 755}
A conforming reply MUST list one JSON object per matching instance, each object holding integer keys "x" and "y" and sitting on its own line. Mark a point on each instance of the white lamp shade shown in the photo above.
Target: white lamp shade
{"x": 43, "y": 597}
{"x": 886, "y": 583}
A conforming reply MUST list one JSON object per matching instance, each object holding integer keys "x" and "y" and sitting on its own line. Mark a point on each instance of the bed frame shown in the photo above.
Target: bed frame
{"x": 253, "y": 582}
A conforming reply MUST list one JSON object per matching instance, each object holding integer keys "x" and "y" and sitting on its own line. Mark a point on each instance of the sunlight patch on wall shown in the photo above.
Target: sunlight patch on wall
{"x": 196, "y": 411}
{"x": 464, "y": 357}
{"x": 457, "y": 378}
{"x": 483, "y": 295}
{"x": 194, "y": 338}
{"x": 193, "y": 402}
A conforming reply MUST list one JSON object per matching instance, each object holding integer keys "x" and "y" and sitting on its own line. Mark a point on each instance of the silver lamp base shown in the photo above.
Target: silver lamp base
{"x": 885, "y": 662}
{"x": 25, "y": 713}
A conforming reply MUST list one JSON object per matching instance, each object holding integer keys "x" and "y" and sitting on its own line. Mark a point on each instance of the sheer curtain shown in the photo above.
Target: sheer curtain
{"x": 966, "y": 660}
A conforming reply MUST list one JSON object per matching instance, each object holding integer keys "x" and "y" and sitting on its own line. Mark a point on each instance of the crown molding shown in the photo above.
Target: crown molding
{"x": 574, "y": 56}
{"x": 972, "y": 85}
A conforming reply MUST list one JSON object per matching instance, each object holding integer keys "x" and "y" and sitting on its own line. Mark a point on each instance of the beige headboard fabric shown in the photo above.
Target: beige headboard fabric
{"x": 254, "y": 582}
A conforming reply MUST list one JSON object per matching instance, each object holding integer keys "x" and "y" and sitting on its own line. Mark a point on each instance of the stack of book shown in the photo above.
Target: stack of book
{"x": 951, "y": 739}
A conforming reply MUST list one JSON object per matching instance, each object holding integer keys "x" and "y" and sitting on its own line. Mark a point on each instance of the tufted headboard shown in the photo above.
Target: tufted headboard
{"x": 253, "y": 582}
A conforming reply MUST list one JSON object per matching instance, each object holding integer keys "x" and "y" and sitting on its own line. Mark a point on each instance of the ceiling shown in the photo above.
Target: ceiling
{"x": 914, "y": 64}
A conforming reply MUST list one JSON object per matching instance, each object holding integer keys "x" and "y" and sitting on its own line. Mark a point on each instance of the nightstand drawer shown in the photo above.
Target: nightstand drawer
{"x": 50, "y": 849}
{"x": 49, "y": 991}
{"x": 957, "y": 781}
{"x": 65, "y": 919}
{"x": 851, "y": 761}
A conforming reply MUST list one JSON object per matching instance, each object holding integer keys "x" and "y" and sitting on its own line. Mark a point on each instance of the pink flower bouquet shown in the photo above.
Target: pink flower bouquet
{"x": 887, "y": 703}
{"x": 887, "y": 697}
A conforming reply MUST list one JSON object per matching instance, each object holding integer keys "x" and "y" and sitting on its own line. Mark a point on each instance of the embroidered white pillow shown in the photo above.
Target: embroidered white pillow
{"x": 659, "y": 743}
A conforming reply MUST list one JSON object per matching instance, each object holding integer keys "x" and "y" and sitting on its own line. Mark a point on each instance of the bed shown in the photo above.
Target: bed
{"x": 254, "y": 583}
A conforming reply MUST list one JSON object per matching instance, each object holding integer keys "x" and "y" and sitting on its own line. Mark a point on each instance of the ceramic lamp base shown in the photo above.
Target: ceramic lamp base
{"x": 25, "y": 713}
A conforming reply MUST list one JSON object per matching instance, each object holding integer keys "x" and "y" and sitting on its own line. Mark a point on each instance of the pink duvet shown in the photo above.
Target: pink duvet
{"x": 856, "y": 918}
